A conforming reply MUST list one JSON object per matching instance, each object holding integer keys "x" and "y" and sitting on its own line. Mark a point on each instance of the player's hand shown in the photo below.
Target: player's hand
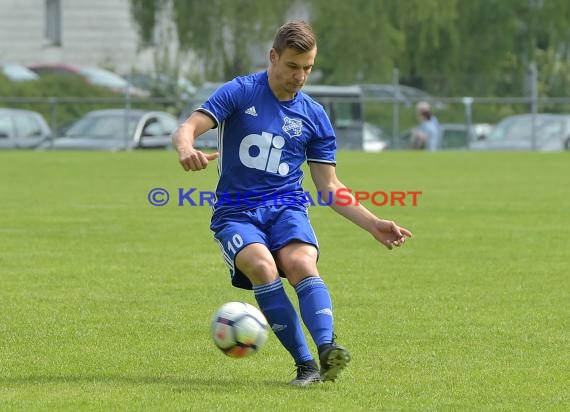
{"x": 192, "y": 159}
{"x": 389, "y": 233}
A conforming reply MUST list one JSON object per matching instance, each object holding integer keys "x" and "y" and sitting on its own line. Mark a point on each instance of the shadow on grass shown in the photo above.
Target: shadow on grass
{"x": 178, "y": 383}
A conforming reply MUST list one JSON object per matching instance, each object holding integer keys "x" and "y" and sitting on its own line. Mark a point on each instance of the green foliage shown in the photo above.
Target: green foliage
{"x": 36, "y": 96}
{"x": 145, "y": 13}
{"x": 428, "y": 30}
{"x": 53, "y": 86}
{"x": 447, "y": 47}
{"x": 353, "y": 49}
{"x": 224, "y": 32}
{"x": 63, "y": 99}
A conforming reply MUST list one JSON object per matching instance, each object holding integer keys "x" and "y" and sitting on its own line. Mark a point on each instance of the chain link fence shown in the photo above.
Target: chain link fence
{"x": 59, "y": 112}
{"x": 392, "y": 108}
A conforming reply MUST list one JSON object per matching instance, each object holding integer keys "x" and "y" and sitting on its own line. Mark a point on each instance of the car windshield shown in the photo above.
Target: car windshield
{"x": 413, "y": 93}
{"x": 205, "y": 91}
{"x": 347, "y": 114}
{"x": 104, "y": 78}
{"x": 520, "y": 128}
{"x": 372, "y": 133}
{"x": 103, "y": 127}
{"x": 16, "y": 72}
{"x": 382, "y": 91}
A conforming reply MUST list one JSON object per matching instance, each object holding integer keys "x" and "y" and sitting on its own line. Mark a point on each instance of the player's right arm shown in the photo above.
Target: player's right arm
{"x": 183, "y": 141}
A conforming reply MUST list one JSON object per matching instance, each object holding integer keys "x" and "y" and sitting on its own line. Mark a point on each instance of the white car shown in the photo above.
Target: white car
{"x": 22, "y": 129}
{"x": 118, "y": 129}
{"x": 373, "y": 139}
{"x": 17, "y": 73}
{"x": 516, "y": 133}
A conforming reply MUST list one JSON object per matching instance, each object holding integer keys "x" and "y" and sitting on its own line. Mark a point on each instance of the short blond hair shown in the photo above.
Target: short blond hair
{"x": 296, "y": 35}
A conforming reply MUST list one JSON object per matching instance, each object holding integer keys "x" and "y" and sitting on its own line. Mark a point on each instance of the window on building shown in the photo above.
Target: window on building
{"x": 53, "y": 22}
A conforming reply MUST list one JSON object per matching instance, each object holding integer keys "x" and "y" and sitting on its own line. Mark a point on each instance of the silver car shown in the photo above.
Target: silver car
{"x": 118, "y": 129}
{"x": 516, "y": 133}
{"x": 406, "y": 95}
{"x": 22, "y": 129}
{"x": 17, "y": 73}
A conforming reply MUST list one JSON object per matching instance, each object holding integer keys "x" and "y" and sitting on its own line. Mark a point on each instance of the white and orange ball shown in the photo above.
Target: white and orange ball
{"x": 239, "y": 329}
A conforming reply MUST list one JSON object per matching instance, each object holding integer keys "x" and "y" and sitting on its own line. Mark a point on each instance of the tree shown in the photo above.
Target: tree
{"x": 447, "y": 47}
{"x": 226, "y": 34}
{"x": 364, "y": 40}
{"x": 356, "y": 40}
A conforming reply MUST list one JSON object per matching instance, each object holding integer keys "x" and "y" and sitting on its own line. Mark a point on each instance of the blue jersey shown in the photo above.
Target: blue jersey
{"x": 263, "y": 143}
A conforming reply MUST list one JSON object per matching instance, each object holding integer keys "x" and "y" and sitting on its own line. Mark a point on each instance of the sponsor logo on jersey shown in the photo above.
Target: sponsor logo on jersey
{"x": 263, "y": 152}
{"x": 293, "y": 127}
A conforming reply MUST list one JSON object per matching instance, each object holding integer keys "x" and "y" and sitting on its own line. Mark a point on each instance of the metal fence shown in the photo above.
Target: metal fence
{"x": 397, "y": 118}
{"x": 394, "y": 117}
{"x": 60, "y": 111}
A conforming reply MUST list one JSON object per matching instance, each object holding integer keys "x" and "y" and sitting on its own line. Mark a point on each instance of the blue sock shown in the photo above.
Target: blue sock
{"x": 316, "y": 309}
{"x": 283, "y": 319}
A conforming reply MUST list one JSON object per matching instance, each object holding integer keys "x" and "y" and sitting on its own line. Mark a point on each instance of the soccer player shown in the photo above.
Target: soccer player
{"x": 267, "y": 128}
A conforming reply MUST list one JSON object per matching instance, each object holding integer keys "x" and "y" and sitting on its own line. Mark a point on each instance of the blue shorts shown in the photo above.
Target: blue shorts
{"x": 272, "y": 226}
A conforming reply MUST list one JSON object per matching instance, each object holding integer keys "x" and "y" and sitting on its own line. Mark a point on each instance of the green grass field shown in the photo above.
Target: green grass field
{"x": 105, "y": 300}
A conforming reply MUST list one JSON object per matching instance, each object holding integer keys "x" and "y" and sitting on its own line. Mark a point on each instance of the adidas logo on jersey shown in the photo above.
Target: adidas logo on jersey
{"x": 251, "y": 111}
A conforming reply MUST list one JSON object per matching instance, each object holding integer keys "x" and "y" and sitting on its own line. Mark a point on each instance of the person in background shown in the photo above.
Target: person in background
{"x": 426, "y": 134}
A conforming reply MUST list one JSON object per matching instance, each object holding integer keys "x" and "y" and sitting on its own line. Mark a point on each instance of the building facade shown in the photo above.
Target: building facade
{"x": 86, "y": 32}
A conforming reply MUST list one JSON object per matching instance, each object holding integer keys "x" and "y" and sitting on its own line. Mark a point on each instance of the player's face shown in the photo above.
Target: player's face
{"x": 290, "y": 70}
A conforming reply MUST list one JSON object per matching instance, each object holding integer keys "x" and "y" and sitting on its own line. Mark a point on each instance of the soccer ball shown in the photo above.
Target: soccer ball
{"x": 239, "y": 329}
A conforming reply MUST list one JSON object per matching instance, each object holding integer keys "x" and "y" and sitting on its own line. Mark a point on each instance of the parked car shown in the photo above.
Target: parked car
{"x": 92, "y": 75}
{"x": 206, "y": 90}
{"x": 406, "y": 95}
{"x": 452, "y": 135}
{"x": 374, "y": 139}
{"x": 515, "y": 133}
{"x": 343, "y": 104}
{"x": 22, "y": 129}
{"x": 17, "y": 73}
{"x": 162, "y": 85}
{"x": 201, "y": 94}
{"x": 118, "y": 129}
{"x": 461, "y": 135}
{"x": 208, "y": 140}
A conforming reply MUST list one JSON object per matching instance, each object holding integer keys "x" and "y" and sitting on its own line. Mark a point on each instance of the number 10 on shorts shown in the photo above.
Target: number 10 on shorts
{"x": 234, "y": 244}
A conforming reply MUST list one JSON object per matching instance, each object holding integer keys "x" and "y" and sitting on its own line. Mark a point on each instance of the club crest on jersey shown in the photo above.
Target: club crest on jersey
{"x": 292, "y": 127}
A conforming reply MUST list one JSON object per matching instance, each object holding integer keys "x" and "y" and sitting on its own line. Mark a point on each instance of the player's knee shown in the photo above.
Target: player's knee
{"x": 260, "y": 271}
{"x": 300, "y": 264}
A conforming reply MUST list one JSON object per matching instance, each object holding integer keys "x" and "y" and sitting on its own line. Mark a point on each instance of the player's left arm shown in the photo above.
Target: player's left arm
{"x": 327, "y": 184}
